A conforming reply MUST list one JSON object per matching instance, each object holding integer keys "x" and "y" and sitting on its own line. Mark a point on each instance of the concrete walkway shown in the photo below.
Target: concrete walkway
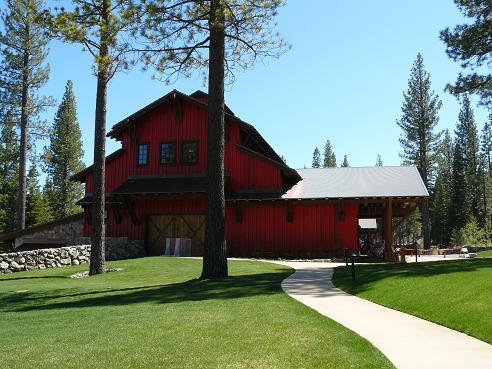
{"x": 407, "y": 341}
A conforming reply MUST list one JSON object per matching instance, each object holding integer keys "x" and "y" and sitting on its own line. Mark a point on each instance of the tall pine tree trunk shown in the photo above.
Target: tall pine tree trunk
{"x": 98, "y": 206}
{"x": 424, "y": 211}
{"x": 64, "y": 189}
{"x": 21, "y": 210}
{"x": 215, "y": 249}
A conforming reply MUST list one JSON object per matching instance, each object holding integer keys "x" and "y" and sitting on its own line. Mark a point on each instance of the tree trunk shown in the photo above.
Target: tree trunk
{"x": 21, "y": 210}
{"x": 424, "y": 211}
{"x": 98, "y": 191}
{"x": 215, "y": 249}
{"x": 424, "y": 207}
{"x": 64, "y": 191}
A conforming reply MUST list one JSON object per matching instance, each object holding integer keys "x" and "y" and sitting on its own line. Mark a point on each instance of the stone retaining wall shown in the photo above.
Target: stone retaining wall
{"x": 116, "y": 249}
{"x": 69, "y": 231}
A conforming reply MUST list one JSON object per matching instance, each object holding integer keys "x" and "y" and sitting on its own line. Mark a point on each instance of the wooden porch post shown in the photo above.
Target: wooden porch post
{"x": 388, "y": 227}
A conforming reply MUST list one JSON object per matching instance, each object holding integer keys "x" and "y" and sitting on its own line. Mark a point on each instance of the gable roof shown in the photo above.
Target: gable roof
{"x": 174, "y": 95}
{"x": 80, "y": 176}
{"x": 195, "y": 98}
{"x": 263, "y": 148}
{"x": 363, "y": 182}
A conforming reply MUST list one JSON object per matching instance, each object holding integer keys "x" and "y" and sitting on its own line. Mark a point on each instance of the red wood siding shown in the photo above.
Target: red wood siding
{"x": 143, "y": 208}
{"x": 315, "y": 229}
{"x": 246, "y": 171}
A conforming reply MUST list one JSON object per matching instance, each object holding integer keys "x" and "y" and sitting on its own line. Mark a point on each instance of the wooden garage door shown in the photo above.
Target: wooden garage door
{"x": 160, "y": 227}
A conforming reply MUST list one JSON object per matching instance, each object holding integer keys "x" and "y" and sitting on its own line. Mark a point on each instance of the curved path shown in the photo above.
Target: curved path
{"x": 407, "y": 341}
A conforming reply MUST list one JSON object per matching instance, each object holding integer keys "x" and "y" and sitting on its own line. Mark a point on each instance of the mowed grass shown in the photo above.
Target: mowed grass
{"x": 156, "y": 314}
{"x": 485, "y": 254}
{"x": 456, "y": 294}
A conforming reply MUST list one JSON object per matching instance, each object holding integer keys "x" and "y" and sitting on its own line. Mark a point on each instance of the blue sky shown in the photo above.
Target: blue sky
{"x": 342, "y": 80}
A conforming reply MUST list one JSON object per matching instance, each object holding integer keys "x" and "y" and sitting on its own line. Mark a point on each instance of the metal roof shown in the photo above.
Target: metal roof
{"x": 363, "y": 182}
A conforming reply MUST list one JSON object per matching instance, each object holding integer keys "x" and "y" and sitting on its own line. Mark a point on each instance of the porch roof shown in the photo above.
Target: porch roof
{"x": 358, "y": 183}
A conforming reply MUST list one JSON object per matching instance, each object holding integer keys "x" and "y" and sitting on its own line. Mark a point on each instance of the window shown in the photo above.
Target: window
{"x": 189, "y": 152}
{"x": 168, "y": 152}
{"x": 143, "y": 154}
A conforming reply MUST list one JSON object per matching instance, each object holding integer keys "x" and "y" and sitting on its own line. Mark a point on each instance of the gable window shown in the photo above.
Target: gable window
{"x": 143, "y": 154}
{"x": 168, "y": 152}
{"x": 189, "y": 152}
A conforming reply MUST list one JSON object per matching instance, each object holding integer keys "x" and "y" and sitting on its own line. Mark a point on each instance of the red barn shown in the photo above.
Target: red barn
{"x": 156, "y": 181}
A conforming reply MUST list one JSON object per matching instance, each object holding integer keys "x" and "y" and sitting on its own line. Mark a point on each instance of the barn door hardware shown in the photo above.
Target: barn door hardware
{"x": 131, "y": 211}
{"x": 117, "y": 213}
{"x": 87, "y": 212}
{"x": 289, "y": 213}
{"x": 238, "y": 214}
{"x": 341, "y": 211}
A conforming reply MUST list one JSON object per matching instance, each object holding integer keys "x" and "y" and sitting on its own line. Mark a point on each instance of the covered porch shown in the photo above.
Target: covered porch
{"x": 377, "y": 223}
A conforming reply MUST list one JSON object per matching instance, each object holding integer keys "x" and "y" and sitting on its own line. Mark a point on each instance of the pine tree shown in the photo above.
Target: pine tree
{"x": 329, "y": 160}
{"x": 419, "y": 140}
{"x": 37, "y": 209}
{"x": 486, "y": 143}
{"x": 441, "y": 199}
{"x": 63, "y": 158}
{"x": 9, "y": 173}
{"x": 316, "y": 158}
{"x": 466, "y": 198}
{"x": 22, "y": 74}
{"x": 460, "y": 206}
{"x": 486, "y": 153}
{"x": 468, "y": 127}
{"x": 470, "y": 45}
{"x": 345, "y": 162}
{"x": 484, "y": 192}
{"x": 103, "y": 28}
{"x": 379, "y": 161}
{"x": 235, "y": 34}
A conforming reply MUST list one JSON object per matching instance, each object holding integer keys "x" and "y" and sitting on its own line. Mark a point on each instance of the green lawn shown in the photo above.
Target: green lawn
{"x": 155, "y": 314}
{"x": 485, "y": 254}
{"x": 457, "y": 294}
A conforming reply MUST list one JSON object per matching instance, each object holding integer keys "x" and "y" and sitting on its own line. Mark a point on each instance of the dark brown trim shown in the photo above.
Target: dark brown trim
{"x": 261, "y": 156}
{"x": 280, "y": 164}
{"x": 174, "y": 94}
{"x": 131, "y": 211}
{"x": 341, "y": 211}
{"x": 289, "y": 213}
{"x": 87, "y": 212}
{"x": 182, "y": 143}
{"x": 238, "y": 214}
{"x": 330, "y": 200}
{"x": 178, "y": 110}
{"x": 175, "y": 152}
{"x": 80, "y": 176}
{"x": 116, "y": 213}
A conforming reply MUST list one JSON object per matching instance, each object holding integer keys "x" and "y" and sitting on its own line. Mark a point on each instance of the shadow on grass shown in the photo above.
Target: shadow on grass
{"x": 367, "y": 274}
{"x": 192, "y": 290}
{"x": 43, "y": 277}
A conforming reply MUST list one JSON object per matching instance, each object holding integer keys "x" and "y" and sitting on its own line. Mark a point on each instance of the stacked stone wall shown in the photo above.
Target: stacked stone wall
{"x": 116, "y": 249}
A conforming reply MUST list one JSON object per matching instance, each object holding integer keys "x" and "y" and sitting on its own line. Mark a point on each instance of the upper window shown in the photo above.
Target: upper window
{"x": 189, "y": 152}
{"x": 168, "y": 153}
{"x": 143, "y": 154}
